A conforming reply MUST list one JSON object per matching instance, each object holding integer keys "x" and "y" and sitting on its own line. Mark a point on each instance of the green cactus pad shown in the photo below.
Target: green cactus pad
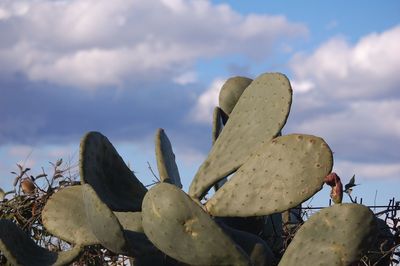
{"x": 258, "y": 116}
{"x": 216, "y": 124}
{"x": 257, "y": 249}
{"x": 103, "y": 222}
{"x": 64, "y": 216}
{"x": 338, "y": 235}
{"x": 131, "y": 221}
{"x": 180, "y": 228}
{"x": 280, "y": 175}
{"x": 231, "y": 92}
{"x": 20, "y": 249}
{"x": 166, "y": 164}
{"x": 103, "y": 168}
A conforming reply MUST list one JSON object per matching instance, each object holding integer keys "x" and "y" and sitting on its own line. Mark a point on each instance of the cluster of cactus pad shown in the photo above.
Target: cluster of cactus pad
{"x": 257, "y": 174}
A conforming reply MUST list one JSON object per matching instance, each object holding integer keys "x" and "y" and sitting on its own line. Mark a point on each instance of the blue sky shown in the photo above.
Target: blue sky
{"x": 126, "y": 68}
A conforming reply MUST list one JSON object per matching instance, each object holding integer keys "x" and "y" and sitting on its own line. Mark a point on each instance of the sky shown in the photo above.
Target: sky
{"x": 125, "y": 68}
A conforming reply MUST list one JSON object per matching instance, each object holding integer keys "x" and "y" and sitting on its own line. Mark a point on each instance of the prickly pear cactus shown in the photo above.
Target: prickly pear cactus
{"x": 280, "y": 175}
{"x": 231, "y": 92}
{"x": 256, "y": 248}
{"x": 216, "y": 124}
{"x": 20, "y": 249}
{"x": 131, "y": 221}
{"x": 64, "y": 215}
{"x": 257, "y": 117}
{"x": 165, "y": 226}
{"x": 180, "y": 228}
{"x": 100, "y": 216}
{"x": 166, "y": 164}
{"x": 338, "y": 235}
{"x": 103, "y": 168}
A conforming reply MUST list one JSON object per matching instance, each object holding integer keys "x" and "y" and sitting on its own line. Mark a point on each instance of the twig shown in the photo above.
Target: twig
{"x": 154, "y": 175}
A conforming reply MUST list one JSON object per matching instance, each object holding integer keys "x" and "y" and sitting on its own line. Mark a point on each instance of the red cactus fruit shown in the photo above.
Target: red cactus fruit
{"x": 336, "y": 194}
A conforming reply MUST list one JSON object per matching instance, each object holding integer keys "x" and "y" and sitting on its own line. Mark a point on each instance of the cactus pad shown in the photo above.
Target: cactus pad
{"x": 231, "y": 92}
{"x": 103, "y": 222}
{"x": 65, "y": 217}
{"x": 338, "y": 235}
{"x": 258, "y": 116}
{"x": 256, "y": 248}
{"x": 216, "y": 124}
{"x": 131, "y": 221}
{"x": 166, "y": 164}
{"x": 280, "y": 175}
{"x": 103, "y": 168}
{"x": 181, "y": 229}
{"x": 20, "y": 249}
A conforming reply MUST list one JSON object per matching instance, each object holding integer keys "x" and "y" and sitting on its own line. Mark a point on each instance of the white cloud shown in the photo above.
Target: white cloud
{"x": 186, "y": 78}
{"x": 302, "y": 86}
{"x": 90, "y": 43}
{"x": 341, "y": 70}
{"x": 368, "y": 170}
{"x": 348, "y": 94}
{"x": 9, "y": 9}
{"x": 364, "y": 130}
{"x": 203, "y": 110}
{"x": 364, "y": 118}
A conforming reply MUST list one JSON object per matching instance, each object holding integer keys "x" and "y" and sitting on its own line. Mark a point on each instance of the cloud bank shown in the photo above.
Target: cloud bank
{"x": 349, "y": 94}
{"x": 94, "y": 43}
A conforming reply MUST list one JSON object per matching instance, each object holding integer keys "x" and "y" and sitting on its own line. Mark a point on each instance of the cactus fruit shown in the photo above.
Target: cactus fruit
{"x": 258, "y": 116}
{"x": 20, "y": 249}
{"x": 336, "y": 194}
{"x": 64, "y": 216}
{"x": 180, "y": 228}
{"x": 103, "y": 168}
{"x": 166, "y": 164}
{"x": 338, "y": 235}
{"x": 231, "y": 92}
{"x": 282, "y": 174}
